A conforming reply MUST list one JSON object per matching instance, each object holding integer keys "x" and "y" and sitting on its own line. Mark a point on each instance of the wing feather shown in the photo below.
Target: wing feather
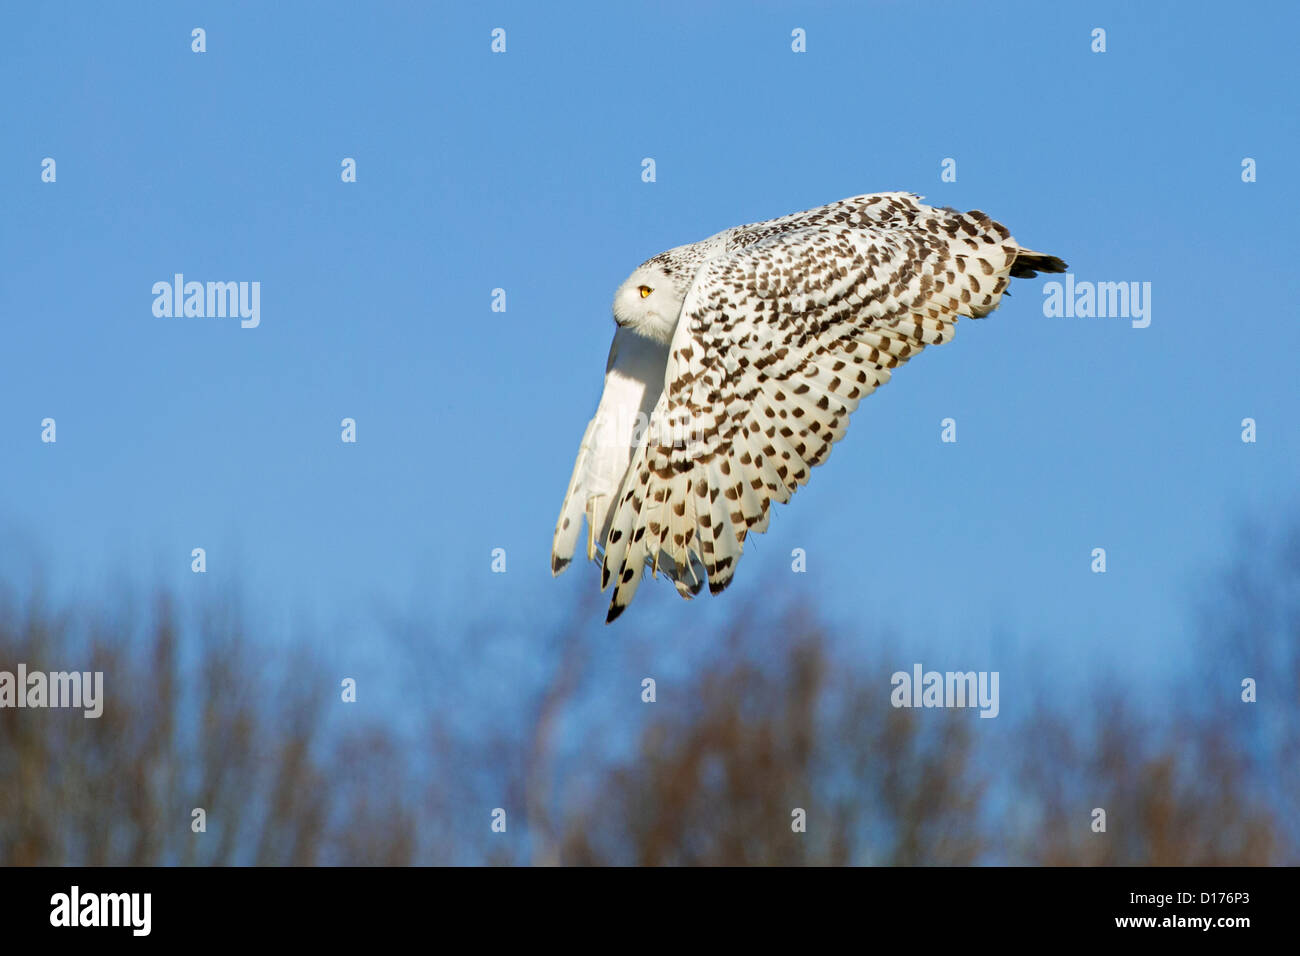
{"x": 786, "y": 326}
{"x": 777, "y": 342}
{"x": 633, "y": 383}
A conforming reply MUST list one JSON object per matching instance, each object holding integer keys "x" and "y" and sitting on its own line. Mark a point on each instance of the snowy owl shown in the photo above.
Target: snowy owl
{"x": 736, "y": 364}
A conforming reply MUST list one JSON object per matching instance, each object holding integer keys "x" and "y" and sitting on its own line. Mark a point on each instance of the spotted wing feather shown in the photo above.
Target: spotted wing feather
{"x": 779, "y": 339}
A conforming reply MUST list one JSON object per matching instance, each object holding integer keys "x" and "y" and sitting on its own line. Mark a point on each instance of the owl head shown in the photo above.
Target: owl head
{"x": 648, "y": 303}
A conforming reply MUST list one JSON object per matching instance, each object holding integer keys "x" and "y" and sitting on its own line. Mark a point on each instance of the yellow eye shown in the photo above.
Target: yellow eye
{"x": 645, "y": 291}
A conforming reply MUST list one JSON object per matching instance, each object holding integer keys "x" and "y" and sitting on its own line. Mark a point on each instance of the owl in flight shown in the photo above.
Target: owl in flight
{"x": 736, "y": 364}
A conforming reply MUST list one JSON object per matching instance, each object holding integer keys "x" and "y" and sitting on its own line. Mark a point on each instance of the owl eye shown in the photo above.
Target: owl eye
{"x": 645, "y": 291}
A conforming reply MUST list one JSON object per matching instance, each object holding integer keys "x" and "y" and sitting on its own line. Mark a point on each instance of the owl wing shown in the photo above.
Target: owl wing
{"x": 777, "y": 342}
{"x": 634, "y": 377}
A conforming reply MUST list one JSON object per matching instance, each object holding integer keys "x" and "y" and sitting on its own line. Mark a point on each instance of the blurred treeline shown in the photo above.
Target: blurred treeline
{"x": 199, "y": 714}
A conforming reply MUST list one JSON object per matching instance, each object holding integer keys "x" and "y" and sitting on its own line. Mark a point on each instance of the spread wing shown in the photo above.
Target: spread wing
{"x": 778, "y": 341}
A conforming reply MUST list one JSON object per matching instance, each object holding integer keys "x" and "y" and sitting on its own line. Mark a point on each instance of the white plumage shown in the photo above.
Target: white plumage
{"x": 737, "y": 363}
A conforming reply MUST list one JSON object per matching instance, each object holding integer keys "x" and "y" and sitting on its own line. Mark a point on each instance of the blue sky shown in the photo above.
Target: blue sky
{"x": 523, "y": 171}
